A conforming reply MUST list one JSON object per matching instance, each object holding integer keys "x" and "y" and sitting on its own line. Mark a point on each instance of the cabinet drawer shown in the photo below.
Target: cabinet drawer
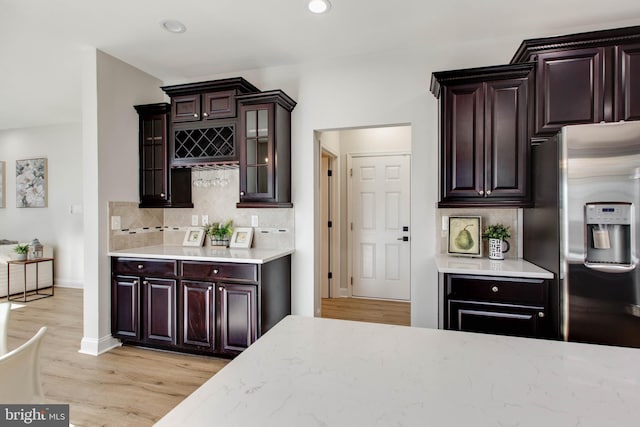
{"x": 215, "y": 271}
{"x": 146, "y": 267}
{"x": 497, "y": 289}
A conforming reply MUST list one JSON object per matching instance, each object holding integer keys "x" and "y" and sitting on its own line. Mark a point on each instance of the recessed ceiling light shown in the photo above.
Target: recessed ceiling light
{"x": 319, "y": 6}
{"x": 173, "y": 26}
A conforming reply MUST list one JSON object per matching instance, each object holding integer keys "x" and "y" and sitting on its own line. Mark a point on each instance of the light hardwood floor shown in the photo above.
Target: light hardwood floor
{"x": 127, "y": 386}
{"x": 367, "y": 310}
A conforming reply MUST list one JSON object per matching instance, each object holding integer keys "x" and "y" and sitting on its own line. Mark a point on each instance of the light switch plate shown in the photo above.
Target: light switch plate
{"x": 445, "y": 223}
{"x": 205, "y": 219}
{"x": 254, "y": 220}
{"x": 194, "y": 220}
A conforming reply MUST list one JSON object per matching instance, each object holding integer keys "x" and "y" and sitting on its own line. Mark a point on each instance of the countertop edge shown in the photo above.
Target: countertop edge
{"x": 486, "y": 267}
{"x": 231, "y": 255}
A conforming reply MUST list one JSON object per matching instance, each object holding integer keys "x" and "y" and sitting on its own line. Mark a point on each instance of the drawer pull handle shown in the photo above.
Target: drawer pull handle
{"x": 140, "y": 266}
{"x": 216, "y": 271}
{"x": 494, "y": 289}
{"x": 541, "y": 314}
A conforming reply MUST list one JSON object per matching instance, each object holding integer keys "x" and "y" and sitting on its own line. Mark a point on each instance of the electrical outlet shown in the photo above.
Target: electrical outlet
{"x": 205, "y": 219}
{"x": 254, "y": 220}
{"x": 115, "y": 223}
{"x": 194, "y": 220}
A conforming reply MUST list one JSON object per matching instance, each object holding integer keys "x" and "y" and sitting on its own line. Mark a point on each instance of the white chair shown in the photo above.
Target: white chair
{"x": 5, "y": 309}
{"x": 20, "y": 373}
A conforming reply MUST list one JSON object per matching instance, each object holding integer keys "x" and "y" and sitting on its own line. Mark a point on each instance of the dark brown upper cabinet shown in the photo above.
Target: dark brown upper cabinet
{"x": 584, "y": 78}
{"x": 209, "y": 100}
{"x": 484, "y": 135}
{"x": 265, "y": 149}
{"x": 160, "y": 186}
{"x": 203, "y": 121}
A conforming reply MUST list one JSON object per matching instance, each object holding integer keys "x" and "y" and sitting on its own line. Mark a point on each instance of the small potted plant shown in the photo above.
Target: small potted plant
{"x": 219, "y": 233}
{"x": 496, "y": 234}
{"x": 21, "y": 251}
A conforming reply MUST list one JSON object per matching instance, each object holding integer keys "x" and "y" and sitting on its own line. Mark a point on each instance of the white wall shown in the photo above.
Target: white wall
{"x": 110, "y": 140}
{"x": 54, "y": 225}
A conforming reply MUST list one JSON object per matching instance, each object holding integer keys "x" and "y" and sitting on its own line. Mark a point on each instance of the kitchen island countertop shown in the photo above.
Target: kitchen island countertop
{"x": 312, "y": 371}
{"x": 206, "y": 253}
{"x": 488, "y": 267}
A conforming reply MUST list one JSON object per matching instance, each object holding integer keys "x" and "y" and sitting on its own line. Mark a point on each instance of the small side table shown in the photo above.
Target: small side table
{"x": 33, "y": 292}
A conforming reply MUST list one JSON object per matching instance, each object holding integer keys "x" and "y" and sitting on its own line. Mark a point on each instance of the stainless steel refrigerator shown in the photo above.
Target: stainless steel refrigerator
{"x": 583, "y": 227}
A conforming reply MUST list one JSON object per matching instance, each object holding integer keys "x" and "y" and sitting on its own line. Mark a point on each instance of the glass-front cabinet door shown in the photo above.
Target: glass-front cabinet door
{"x": 257, "y": 153}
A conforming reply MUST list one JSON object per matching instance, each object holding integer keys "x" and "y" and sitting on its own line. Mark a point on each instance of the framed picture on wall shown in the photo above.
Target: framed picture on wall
{"x": 31, "y": 183}
{"x": 465, "y": 236}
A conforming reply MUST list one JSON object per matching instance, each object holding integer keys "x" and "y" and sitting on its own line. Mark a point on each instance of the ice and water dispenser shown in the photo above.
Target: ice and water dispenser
{"x": 608, "y": 233}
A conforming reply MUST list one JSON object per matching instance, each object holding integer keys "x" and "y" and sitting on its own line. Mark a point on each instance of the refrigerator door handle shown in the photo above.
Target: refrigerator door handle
{"x": 611, "y": 268}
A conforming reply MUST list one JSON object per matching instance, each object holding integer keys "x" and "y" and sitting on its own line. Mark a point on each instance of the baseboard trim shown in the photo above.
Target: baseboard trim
{"x": 68, "y": 284}
{"x": 95, "y": 347}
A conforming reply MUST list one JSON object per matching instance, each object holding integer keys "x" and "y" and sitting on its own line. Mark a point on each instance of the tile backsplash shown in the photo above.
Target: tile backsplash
{"x": 490, "y": 216}
{"x": 144, "y": 227}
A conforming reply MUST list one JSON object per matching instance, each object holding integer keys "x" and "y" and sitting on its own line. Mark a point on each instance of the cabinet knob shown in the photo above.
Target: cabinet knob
{"x": 242, "y": 193}
{"x": 205, "y": 114}
{"x": 140, "y": 266}
{"x": 195, "y": 115}
{"x": 135, "y": 282}
{"x": 494, "y": 289}
{"x": 210, "y": 288}
{"x": 145, "y": 282}
{"x": 488, "y": 192}
{"x": 216, "y": 271}
{"x": 161, "y": 194}
{"x": 220, "y": 288}
{"x": 481, "y": 192}
{"x": 541, "y": 314}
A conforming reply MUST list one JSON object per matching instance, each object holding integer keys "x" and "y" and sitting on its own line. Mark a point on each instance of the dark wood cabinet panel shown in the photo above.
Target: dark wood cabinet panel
{"x": 628, "y": 84}
{"x": 160, "y": 186}
{"x": 265, "y": 149}
{"x": 570, "y": 89}
{"x": 185, "y": 108}
{"x": 239, "y": 316}
{"x": 498, "y": 305}
{"x": 198, "y": 308}
{"x": 219, "y": 105}
{"x": 462, "y": 121}
{"x": 145, "y": 266}
{"x": 125, "y": 307}
{"x": 506, "y": 138}
{"x": 500, "y": 319}
{"x": 484, "y": 128}
{"x": 159, "y": 310}
{"x": 215, "y": 271}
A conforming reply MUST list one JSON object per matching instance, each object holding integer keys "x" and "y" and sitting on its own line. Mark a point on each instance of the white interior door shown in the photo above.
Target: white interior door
{"x": 379, "y": 211}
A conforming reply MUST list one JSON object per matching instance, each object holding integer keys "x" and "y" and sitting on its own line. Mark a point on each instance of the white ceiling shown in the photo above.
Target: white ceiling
{"x": 41, "y": 41}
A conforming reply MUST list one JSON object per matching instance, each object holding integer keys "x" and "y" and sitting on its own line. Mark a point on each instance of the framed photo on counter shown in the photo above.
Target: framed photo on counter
{"x": 242, "y": 237}
{"x": 193, "y": 237}
{"x": 465, "y": 233}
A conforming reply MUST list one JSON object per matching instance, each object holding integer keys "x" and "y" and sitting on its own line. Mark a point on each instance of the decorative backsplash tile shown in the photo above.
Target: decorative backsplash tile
{"x": 144, "y": 227}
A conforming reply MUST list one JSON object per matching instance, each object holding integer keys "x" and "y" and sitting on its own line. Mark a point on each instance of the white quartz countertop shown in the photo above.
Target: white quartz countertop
{"x": 253, "y": 256}
{"x": 324, "y": 372}
{"x": 488, "y": 267}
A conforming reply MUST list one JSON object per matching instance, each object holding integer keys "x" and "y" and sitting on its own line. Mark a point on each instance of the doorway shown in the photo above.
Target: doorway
{"x": 376, "y": 269}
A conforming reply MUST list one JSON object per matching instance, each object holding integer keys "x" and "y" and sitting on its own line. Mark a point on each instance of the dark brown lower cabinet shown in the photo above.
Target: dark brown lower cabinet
{"x": 497, "y": 305}
{"x": 198, "y": 306}
{"x": 238, "y": 316}
{"x": 125, "y": 312}
{"x": 159, "y": 310}
{"x": 198, "y": 309}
